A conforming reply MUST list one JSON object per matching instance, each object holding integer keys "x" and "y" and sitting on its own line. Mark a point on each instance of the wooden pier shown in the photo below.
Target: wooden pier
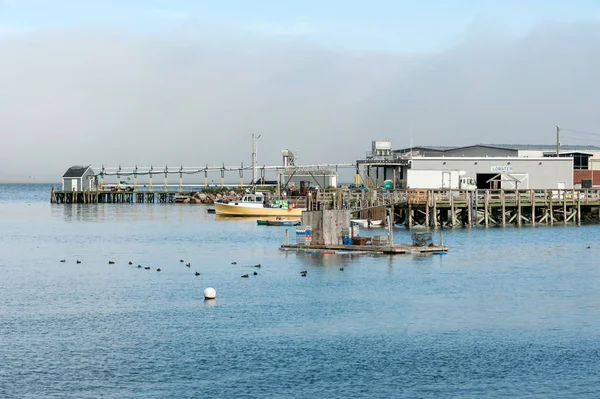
{"x": 413, "y": 208}
{"x": 114, "y": 197}
{"x": 455, "y": 208}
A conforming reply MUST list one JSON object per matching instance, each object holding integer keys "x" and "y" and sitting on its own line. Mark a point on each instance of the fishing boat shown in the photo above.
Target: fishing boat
{"x": 256, "y": 205}
{"x": 367, "y": 222}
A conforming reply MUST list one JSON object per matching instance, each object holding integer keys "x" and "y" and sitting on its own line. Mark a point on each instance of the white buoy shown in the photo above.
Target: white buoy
{"x": 210, "y": 293}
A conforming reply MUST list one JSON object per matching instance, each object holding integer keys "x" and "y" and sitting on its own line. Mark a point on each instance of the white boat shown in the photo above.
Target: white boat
{"x": 255, "y": 205}
{"x": 284, "y": 222}
{"x": 367, "y": 222}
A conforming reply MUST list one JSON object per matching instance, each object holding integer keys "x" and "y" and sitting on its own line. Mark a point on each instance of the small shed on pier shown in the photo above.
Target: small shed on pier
{"x": 79, "y": 178}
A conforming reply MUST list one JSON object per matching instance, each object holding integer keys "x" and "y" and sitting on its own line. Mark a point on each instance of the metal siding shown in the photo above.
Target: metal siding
{"x": 481, "y": 152}
{"x": 544, "y": 173}
{"x": 67, "y": 183}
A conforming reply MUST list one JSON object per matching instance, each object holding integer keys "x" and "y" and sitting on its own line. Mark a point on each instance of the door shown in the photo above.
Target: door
{"x": 446, "y": 180}
{"x": 482, "y": 180}
{"x": 74, "y": 184}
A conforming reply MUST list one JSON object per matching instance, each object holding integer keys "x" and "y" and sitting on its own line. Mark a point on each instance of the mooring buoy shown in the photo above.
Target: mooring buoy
{"x": 210, "y": 293}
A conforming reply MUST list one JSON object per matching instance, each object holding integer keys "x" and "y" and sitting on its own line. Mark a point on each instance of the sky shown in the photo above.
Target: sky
{"x": 186, "y": 82}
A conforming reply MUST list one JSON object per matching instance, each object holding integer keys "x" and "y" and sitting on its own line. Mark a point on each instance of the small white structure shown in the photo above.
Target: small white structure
{"x": 439, "y": 179}
{"x": 79, "y": 178}
{"x": 304, "y": 178}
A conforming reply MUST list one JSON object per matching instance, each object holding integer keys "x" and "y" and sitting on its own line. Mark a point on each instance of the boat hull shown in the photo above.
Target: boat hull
{"x": 283, "y": 222}
{"x": 239, "y": 210}
{"x": 365, "y": 223}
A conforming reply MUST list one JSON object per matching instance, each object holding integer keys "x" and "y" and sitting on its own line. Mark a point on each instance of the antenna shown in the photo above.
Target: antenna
{"x": 411, "y": 139}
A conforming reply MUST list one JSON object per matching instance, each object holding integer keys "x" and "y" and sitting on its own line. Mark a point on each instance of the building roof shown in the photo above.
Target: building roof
{"x": 76, "y": 171}
{"x": 426, "y": 147}
{"x": 515, "y": 147}
{"x": 542, "y": 147}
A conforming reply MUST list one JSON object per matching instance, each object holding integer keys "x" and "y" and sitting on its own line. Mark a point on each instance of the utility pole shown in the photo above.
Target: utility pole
{"x": 253, "y": 160}
{"x": 254, "y": 157}
{"x": 557, "y": 141}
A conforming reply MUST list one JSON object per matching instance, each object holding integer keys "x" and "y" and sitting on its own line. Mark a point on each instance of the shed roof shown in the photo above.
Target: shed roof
{"x": 76, "y": 171}
{"x": 532, "y": 147}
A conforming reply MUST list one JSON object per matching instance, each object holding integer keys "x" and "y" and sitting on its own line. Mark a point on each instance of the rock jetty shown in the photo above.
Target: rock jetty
{"x": 209, "y": 197}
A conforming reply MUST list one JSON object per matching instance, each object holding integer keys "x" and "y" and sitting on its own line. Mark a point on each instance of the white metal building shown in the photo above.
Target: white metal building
{"x": 501, "y": 172}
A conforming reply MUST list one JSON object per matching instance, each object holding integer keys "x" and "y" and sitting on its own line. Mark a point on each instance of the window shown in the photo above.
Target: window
{"x": 580, "y": 161}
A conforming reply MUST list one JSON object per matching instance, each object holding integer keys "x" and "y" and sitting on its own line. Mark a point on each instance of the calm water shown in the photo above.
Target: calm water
{"x": 507, "y": 313}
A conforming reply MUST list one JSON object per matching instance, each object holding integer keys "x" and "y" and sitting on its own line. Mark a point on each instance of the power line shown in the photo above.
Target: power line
{"x": 579, "y": 131}
{"x": 579, "y": 138}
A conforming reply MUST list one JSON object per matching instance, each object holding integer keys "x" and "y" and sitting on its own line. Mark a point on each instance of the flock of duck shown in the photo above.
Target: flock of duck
{"x": 112, "y": 262}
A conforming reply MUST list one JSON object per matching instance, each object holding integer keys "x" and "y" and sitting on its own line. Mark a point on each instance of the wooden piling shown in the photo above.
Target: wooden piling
{"x": 564, "y": 207}
{"x": 518, "y": 208}
{"x": 452, "y": 211}
{"x": 486, "y": 199}
{"x": 435, "y": 219}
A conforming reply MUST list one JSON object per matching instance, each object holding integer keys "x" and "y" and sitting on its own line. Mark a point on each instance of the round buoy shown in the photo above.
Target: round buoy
{"x": 210, "y": 293}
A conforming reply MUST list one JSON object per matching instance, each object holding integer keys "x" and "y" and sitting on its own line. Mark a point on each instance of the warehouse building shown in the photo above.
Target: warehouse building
{"x": 480, "y": 166}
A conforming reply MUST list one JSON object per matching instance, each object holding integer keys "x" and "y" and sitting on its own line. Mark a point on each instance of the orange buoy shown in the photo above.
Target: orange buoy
{"x": 290, "y": 207}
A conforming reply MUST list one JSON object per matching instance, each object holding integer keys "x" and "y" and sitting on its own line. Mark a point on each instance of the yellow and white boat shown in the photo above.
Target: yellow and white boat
{"x": 254, "y": 205}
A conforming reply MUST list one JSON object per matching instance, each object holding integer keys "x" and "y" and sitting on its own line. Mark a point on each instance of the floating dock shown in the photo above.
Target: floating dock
{"x": 395, "y": 249}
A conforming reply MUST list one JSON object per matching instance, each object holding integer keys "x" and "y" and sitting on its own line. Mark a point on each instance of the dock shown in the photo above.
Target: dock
{"x": 116, "y": 197}
{"x": 395, "y": 249}
{"x": 466, "y": 208}
{"x": 413, "y": 208}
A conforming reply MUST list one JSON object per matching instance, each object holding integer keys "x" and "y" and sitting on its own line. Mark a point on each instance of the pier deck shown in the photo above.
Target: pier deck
{"x": 453, "y": 208}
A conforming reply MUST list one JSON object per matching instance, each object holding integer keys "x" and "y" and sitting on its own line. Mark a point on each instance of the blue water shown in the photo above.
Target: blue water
{"x": 511, "y": 312}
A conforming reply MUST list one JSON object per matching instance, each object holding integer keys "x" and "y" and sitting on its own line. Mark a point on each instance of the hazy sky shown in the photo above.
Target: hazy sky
{"x": 188, "y": 81}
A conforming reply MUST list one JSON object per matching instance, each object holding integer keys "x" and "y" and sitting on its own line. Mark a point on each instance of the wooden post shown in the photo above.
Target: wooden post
{"x": 502, "y": 200}
{"x": 469, "y": 198}
{"x": 486, "y": 199}
{"x": 391, "y": 226}
{"x": 409, "y": 216}
{"x": 565, "y": 207}
{"x": 579, "y": 208}
{"x": 287, "y": 237}
{"x": 518, "y": 208}
{"x": 550, "y": 210}
{"x": 427, "y": 209}
{"x": 469, "y": 206}
{"x": 435, "y": 221}
{"x": 532, "y": 196}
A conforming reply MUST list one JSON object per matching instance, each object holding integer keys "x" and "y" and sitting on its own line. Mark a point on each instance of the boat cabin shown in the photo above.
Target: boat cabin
{"x": 257, "y": 198}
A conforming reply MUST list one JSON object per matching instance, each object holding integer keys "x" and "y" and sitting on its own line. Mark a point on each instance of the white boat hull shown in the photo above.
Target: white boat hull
{"x": 367, "y": 223}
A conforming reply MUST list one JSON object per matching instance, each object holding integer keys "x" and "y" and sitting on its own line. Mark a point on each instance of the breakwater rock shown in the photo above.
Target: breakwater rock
{"x": 209, "y": 197}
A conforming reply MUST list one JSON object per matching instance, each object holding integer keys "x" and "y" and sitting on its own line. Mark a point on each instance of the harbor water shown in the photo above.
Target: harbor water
{"x": 511, "y": 312}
